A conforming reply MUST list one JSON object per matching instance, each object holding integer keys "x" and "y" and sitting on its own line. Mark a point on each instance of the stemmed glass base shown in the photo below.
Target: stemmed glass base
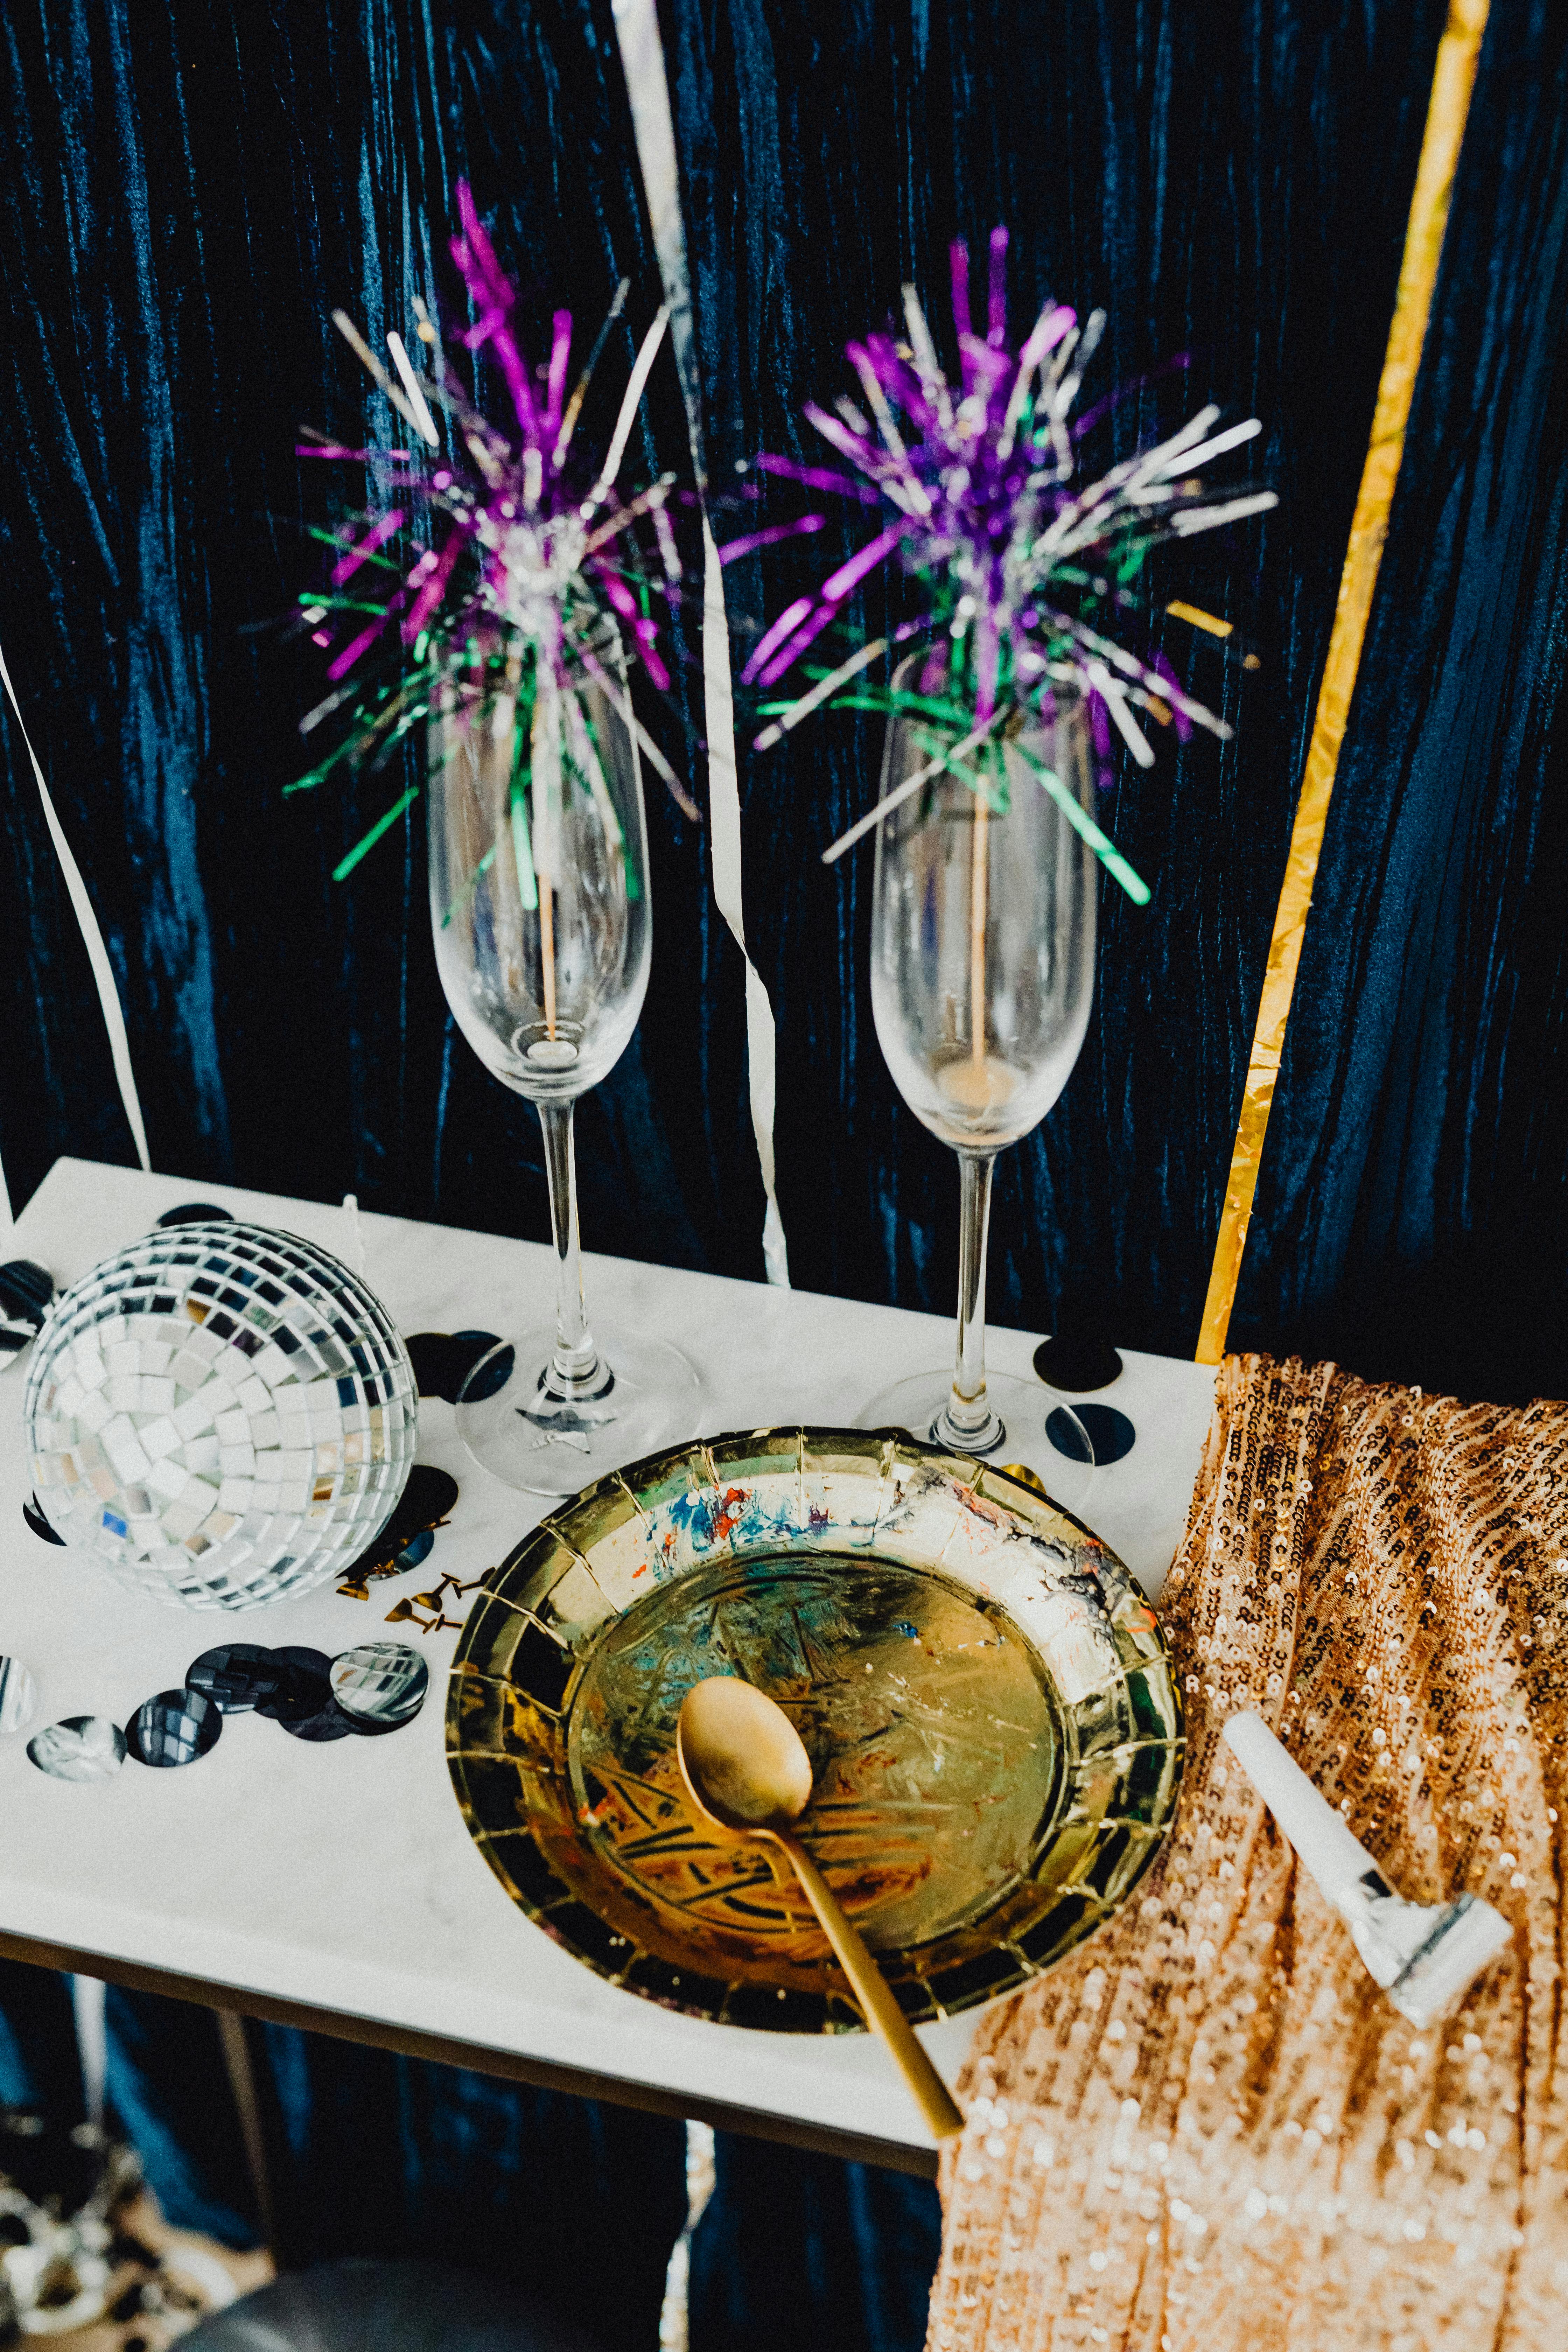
{"x": 922, "y": 1404}
{"x": 1014, "y": 1424}
{"x": 540, "y": 1435}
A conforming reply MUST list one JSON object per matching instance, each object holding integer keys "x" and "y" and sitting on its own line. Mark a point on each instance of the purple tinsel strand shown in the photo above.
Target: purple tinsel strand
{"x": 963, "y": 319}
{"x": 1162, "y": 666}
{"x": 996, "y": 303}
{"x": 900, "y": 383}
{"x": 555, "y": 386}
{"x": 1099, "y": 734}
{"x": 803, "y": 637}
{"x": 790, "y": 618}
{"x": 492, "y": 293}
{"x": 991, "y": 508}
{"x": 820, "y": 477}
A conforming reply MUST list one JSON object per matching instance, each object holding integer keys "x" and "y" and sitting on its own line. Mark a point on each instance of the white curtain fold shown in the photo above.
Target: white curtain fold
{"x": 97, "y": 954}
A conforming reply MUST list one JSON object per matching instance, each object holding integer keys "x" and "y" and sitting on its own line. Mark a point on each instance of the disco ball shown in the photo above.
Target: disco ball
{"x": 221, "y": 1415}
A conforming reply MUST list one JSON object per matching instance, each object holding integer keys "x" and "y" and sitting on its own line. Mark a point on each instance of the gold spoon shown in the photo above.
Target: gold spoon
{"x": 749, "y": 1775}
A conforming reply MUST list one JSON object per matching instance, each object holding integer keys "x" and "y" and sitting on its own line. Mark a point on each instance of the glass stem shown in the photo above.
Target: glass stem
{"x": 968, "y": 1418}
{"x": 574, "y": 1367}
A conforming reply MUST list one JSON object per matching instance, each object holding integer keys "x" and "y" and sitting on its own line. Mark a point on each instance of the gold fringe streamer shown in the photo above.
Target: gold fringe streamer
{"x": 1452, "y": 82}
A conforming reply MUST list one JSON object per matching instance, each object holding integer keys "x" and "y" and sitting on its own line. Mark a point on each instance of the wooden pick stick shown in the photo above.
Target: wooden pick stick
{"x": 547, "y": 945}
{"x": 977, "y": 881}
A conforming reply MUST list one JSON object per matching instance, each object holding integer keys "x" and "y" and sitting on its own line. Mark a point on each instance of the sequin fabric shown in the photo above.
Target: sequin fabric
{"x": 1207, "y": 2129}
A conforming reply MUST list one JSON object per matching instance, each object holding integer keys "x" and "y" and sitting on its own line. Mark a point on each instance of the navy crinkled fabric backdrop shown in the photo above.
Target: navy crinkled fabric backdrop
{"x": 189, "y": 190}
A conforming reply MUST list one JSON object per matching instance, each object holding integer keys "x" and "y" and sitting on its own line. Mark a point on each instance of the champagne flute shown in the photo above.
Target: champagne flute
{"x": 982, "y": 978}
{"x": 539, "y": 908}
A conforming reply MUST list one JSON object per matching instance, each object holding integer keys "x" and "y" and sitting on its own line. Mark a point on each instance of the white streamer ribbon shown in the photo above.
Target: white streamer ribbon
{"x": 642, "y": 61}
{"x": 97, "y": 954}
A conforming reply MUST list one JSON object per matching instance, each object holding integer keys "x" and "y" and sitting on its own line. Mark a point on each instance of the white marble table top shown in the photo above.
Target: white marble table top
{"x": 341, "y": 1879}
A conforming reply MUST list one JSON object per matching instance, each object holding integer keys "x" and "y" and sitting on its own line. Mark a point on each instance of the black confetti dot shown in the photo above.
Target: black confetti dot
{"x": 1110, "y": 1433}
{"x": 174, "y": 1728}
{"x": 236, "y": 1675}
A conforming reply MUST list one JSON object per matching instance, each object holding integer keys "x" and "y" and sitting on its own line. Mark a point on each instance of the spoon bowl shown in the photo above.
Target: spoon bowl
{"x": 745, "y": 1769}
{"x": 743, "y": 1762}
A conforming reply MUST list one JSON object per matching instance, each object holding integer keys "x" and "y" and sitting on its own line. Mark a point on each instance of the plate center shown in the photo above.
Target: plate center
{"x": 930, "y": 1724}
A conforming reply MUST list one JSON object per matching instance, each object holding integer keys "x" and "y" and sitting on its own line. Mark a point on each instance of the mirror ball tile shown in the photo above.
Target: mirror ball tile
{"x": 19, "y": 1696}
{"x": 174, "y": 1728}
{"x": 81, "y": 1748}
{"x": 382, "y": 1684}
{"x": 235, "y": 1674}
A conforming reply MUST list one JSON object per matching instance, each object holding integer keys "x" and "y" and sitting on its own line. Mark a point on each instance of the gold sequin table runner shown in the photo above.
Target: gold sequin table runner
{"x": 1207, "y": 2130}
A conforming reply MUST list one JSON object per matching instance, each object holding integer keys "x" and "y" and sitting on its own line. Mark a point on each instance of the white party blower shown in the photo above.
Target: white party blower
{"x": 1423, "y": 1955}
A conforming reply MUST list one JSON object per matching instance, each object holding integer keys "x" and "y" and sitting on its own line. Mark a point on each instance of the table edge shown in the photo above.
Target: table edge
{"x": 507, "y": 2065}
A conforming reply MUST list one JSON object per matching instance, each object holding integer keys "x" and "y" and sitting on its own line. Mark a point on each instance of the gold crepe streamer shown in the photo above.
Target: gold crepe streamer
{"x": 1451, "y": 85}
{"x": 1200, "y": 619}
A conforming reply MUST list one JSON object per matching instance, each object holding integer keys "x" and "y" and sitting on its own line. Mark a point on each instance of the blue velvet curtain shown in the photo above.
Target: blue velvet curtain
{"x": 187, "y": 191}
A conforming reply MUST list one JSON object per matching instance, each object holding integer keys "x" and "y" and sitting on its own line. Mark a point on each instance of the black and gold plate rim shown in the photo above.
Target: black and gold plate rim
{"x": 769, "y": 1537}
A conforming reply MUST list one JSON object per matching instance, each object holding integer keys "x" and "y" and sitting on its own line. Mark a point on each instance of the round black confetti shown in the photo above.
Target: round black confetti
{"x": 428, "y": 1496}
{"x": 1076, "y": 1360}
{"x": 478, "y": 1384}
{"x": 26, "y": 1289}
{"x": 174, "y": 1728}
{"x": 381, "y": 1684}
{"x": 1110, "y": 1433}
{"x": 33, "y": 1512}
{"x": 487, "y": 1375}
{"x": 235, "y": 1674}
{"x": 442, "y": 1360}
{"x": 303, "y": 1687}
{"x": 427, "y": 1499}
{"x": 429, "y": 1352}
{"x": 196, "y": 1213}
{"x": 329, "y": 1722}
{"x": 81, "y": 1748}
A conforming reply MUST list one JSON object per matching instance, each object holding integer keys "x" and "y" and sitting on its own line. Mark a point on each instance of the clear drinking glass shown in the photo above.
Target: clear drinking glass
{"x": 539, "y": 902}
{"x": 981, "y": 977}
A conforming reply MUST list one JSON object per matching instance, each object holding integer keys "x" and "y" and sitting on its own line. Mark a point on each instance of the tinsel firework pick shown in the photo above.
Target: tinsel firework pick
{"x": 1026, "y": 565}
{"x": 535, "y": 566}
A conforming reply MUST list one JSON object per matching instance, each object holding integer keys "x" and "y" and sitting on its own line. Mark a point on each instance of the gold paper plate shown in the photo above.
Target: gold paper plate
{"x": 993, "y": 1723}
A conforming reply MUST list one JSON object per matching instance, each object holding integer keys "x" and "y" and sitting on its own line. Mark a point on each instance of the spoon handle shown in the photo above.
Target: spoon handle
{"x": 876, "y": 1997}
